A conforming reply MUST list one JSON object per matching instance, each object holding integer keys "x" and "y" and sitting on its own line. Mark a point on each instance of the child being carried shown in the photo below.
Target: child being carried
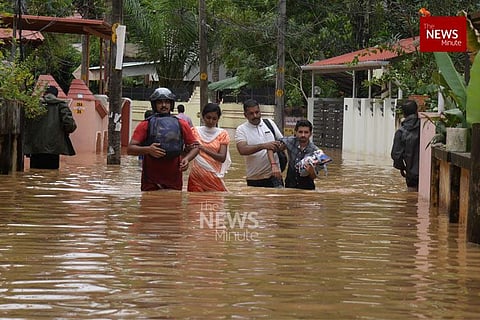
{"x": 318, "y": 160}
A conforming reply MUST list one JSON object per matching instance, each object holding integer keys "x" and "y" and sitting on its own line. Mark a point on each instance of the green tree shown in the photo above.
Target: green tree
{"x": 166, "y": 32}
{"x": 57, "y": 57}
{"x": 56, "y": 8}
{"x": 242, "y": 35}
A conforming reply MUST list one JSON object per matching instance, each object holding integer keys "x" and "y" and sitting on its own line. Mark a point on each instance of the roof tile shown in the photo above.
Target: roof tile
{"x": 369, "y": 54}
{"x": 79, "y": 90}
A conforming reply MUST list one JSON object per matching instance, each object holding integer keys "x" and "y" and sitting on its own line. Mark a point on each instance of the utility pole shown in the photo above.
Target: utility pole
{"x": 85, "y": 66}
{"x": 280, "y": 86}
{"x": 114, "y": 89}
{"x": 86, "y": 13}
{"x": 202, "y": 31}
{"x": 19, "y": 8}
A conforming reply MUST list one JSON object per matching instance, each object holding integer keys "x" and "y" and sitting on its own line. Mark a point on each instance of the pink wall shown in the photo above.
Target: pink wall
{"x": 91, "y": 115}
{"x": 427, "y": 131}
{"x": 91, "y": 127}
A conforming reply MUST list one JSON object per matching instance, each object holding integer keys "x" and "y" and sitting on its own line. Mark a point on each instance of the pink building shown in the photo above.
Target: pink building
{"x": 90, "y": 114}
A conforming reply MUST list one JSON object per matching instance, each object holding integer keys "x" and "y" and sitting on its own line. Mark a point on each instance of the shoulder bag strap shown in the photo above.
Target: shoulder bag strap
{"x": 269, "y": 125}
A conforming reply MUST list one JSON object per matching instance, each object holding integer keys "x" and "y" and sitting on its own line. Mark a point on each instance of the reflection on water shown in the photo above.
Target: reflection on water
{"x": 84, "y": 242}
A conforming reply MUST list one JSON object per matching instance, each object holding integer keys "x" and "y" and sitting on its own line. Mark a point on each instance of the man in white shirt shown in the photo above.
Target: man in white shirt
{"x": 253, "y": 139}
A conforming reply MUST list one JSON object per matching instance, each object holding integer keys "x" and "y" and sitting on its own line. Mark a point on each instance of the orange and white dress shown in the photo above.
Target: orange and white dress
{"x": 206, "y": 173}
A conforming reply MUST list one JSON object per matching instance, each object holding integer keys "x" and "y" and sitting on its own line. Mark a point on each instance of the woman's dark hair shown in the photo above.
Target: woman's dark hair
{"x": 212, "y": 107}
{"x": 303, "y": 123}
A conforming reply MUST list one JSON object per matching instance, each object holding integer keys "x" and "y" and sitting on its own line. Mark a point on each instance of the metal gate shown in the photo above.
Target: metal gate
{"x": 328, "y": 123}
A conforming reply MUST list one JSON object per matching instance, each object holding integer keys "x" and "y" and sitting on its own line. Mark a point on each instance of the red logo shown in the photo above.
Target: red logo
{"x": 443, "y": 34}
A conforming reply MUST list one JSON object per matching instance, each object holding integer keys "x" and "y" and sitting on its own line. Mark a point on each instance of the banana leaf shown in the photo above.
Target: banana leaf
{"x": 473, "y": 37}
{"x": 473, "y": 93}
{"x": 454, "y": 80}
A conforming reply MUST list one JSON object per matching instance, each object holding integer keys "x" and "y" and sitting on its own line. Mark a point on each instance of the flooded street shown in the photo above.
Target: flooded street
{"x": 84, "y": 243}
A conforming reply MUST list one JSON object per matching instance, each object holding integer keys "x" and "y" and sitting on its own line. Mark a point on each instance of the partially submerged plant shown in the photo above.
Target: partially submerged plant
{"x": 17, "y": 84}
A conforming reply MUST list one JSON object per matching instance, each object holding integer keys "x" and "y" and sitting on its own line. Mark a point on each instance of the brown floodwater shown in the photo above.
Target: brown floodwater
{"x": 84, "y": 242}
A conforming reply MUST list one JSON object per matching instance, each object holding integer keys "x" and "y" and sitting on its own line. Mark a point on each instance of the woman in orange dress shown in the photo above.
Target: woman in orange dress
{"x": 209, "y": 166}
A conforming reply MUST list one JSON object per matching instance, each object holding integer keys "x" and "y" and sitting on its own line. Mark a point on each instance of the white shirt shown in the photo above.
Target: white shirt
{"x": 257, "y": 164}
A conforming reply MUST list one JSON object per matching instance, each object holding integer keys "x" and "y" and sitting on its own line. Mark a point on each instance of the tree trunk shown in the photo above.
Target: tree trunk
{"x": 215, "y": 95}
{"x": 11, "y": 136}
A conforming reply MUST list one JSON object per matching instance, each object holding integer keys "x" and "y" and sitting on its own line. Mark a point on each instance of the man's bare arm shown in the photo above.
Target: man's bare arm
{"x": 245, "y": 149}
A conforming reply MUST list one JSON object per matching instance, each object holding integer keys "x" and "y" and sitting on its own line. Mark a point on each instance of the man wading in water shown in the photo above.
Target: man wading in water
{"x": 165, "y": 143}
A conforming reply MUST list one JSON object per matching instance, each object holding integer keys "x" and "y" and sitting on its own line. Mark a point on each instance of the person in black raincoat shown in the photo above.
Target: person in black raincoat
{"x": 406, "y": 145}
{"x": 47, "y": 136}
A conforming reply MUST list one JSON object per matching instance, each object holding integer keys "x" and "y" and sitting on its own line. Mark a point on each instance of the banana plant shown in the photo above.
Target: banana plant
{"x": 473, "y": 93}
{"x": 472, "y": 107}
{"x": 454, "y": 92}
{"x": 464, "y": 106}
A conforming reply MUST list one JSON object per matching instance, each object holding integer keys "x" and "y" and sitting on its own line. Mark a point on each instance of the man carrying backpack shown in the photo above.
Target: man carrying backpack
{"x": 406, "y": 145}
{"x": 47, "y": 136}
{"x": 253, "y": 139}
{"x": 166, "y": 143}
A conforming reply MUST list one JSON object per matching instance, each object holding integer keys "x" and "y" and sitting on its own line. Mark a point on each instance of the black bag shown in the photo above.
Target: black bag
{"x": 282, "y": 156}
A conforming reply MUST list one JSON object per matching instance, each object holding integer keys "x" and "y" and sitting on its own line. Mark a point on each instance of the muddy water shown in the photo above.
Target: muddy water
{"x": 84, "y": 242}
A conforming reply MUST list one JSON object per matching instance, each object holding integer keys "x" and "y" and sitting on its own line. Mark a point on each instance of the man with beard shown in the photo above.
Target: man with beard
{"x": 253, "y": 139}
{"x": 166, "y": 144}
{"x": 299, "y": 147}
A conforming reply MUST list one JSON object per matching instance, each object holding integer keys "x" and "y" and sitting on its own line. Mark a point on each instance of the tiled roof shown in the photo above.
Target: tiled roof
{"x": 370, "y": 58}
{"x": 73, "y": 25}
{"x": 79, "y": 90}
{"x": 48, "y": 80}
{"x": 27, "y": 35}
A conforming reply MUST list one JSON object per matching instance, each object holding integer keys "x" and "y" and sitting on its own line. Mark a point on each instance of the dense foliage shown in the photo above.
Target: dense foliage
{"x": 245, "y": 35}
{"x": 242, "y": 35}
{"x": 18, "y": 83}
{"x": 166, "y": 32}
